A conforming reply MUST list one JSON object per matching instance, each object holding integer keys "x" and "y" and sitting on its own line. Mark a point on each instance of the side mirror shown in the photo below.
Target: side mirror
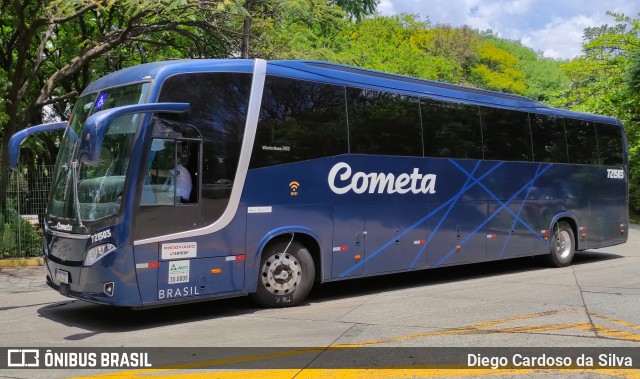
{"x": 16, "y": 140}
{"x": 95, "y": 128}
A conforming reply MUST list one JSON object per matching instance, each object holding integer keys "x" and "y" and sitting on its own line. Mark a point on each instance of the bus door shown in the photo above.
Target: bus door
{"x": 172, "y": 200}
{"x": 396, "y": 240}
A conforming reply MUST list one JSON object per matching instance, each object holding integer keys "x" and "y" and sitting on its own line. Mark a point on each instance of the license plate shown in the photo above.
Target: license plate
{"x": 62, "y": 276}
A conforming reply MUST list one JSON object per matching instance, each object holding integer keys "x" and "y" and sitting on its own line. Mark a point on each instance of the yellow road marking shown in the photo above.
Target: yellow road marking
{"x": 470, "y": 329}
{"x": 619, "y": 322}
{"x": 520, "y": 318}
{"x": 617, "y": 334}
{"x": 387, "y": 373}
{"x": 399, "y": 372}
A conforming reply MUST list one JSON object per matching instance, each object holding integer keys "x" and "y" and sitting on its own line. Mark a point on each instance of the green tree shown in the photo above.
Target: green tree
{"x": 633, "y": 131}
{"x": 47, "y": 46}
{"x": 357, "y": 9}
{"x": 395, "y": 44}
{"x": 634, "y": 74}
{"x": 600, "y": 83}
{"x": 497, "y": 69}
{"x": 457, "y": 44}
{"x": 543, "y": 77}
{"x": 275, "y": 28}
{"x": 298, "y": 29}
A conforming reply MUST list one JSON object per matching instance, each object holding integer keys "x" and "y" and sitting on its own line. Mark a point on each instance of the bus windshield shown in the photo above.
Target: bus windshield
{"x": 89, "y": 193}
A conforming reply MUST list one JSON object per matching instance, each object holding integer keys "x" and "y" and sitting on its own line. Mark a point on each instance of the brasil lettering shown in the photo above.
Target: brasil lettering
{"x": 172, "y": 293}
{"x": 342, "y": 179}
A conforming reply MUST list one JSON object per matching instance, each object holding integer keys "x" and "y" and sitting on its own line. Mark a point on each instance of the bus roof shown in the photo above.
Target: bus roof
{"x": 340, "y": 75}
{"x": 348, "y": 75}
{"x": 154, "y": 70}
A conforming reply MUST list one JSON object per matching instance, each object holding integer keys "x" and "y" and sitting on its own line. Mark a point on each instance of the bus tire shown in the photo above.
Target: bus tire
{"x": 286, "y": 275}
{"x": 562, "y": 245}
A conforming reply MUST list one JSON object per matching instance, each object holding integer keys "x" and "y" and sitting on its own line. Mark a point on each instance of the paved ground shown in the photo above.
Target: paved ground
{"x": 515, "y": 303}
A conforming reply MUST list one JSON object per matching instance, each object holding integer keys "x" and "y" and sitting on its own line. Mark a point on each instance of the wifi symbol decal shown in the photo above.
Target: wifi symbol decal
{"x": 294, "y": 188}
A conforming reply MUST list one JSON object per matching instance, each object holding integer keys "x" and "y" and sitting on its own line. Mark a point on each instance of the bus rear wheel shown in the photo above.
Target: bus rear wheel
{"x": 562, "y": 245}
{"x": 287, "y": 273}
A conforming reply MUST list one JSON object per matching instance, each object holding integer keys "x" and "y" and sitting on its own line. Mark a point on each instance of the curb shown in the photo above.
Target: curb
{"x": 21, "y": 262}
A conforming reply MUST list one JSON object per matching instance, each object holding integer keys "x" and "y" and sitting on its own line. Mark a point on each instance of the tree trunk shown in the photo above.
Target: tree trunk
{"x": 246, "y": 29}
{"x": 9, "y": 129}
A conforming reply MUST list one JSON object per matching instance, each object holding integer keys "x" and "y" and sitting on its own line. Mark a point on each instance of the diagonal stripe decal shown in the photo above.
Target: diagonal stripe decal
{"x": 470, "y": 183}
{"x": 495, "y": 213}
{"x": 462, "y": 191}
{"x": 503, "y": 206}
{"x": 515, "y": 220}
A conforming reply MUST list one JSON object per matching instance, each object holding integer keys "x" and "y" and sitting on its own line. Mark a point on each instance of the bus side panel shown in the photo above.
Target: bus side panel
{"x": 512, "y": 233}
{"x": 183, "y": 269}
{"x": 197, "y": 277}
{"x": 394, "y": 239}
{"x": 146, "y": 257}
{"x": 610, "y": 224}
{"x": 608, "y": 206}
{"x": 616, "y": 225}
{"x": 349, "y": 241}
{"x": 512, "y": 228}
{"x": 458, "y": 238}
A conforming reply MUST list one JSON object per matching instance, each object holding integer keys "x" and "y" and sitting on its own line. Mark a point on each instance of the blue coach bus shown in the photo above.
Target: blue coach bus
{"x": 191, "y": 180}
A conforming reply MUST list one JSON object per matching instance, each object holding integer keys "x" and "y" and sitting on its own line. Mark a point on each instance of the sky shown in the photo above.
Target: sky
{"x": 553, "y": 27}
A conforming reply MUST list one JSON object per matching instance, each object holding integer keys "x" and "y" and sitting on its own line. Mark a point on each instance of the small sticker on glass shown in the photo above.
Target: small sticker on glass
{"x": 101, "y": 100}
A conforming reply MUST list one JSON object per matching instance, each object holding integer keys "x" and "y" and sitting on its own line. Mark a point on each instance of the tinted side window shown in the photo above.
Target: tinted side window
{"x": 299, "y": 120}
{"x": 451, "y": 130}
{"x": 506, "y": 134}
{"x": 216, "y": 118}
{"x": 609, "y": 144}
{"x": 582, "y": 143}
{"x": 171, "y": 173}
{"x": 383, "y": 123}
{"x": 549, "y": 140}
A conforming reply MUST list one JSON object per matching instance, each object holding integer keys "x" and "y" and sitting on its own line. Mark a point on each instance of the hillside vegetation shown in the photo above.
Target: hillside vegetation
{"x": 50, "y": 50}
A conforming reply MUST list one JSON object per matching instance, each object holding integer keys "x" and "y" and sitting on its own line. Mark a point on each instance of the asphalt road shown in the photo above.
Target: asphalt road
{"x": 513, "y": 303}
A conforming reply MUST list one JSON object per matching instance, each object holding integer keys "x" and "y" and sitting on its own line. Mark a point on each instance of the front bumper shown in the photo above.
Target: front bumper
{"x": 88, "y": 284}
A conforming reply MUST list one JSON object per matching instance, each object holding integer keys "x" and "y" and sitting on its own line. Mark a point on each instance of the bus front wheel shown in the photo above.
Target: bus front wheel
{"x": 562, "y": 245}
{"x": 286, "y": 274}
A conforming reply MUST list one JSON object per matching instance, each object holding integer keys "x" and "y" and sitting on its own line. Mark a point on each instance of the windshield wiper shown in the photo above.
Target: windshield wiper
{"x": 76, "y": 199}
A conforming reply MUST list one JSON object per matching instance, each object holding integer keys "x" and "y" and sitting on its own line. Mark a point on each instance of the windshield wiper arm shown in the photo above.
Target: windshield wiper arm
{"x": 76, "y": 199}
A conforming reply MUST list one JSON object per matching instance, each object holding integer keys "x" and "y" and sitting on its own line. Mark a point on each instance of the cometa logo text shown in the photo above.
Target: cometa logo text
{"x": 342, "y": 179}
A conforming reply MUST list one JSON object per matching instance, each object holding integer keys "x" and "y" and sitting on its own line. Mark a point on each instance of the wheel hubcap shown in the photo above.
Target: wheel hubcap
{"x": 281, "y": 274}
{"x": 563, "y": 244}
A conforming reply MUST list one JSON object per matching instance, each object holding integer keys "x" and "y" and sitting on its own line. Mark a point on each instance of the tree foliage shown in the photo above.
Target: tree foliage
{"x": 602, "y": 82}
{"x": 393, "y": 44}
{"x": 357, "y": 9}
{"x": 50, "y": 50}
{"x": 543, "y": 77}
{"x": 294, "y": 29}
{"x": 497, "y": 69}
{"x": 46, "y": 46}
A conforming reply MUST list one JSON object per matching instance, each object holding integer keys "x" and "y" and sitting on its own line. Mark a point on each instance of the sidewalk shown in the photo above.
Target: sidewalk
{"x": 22, "y": 262}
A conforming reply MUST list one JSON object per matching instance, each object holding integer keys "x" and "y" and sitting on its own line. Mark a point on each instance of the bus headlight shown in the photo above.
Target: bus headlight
{"x": 98, "y": 252}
